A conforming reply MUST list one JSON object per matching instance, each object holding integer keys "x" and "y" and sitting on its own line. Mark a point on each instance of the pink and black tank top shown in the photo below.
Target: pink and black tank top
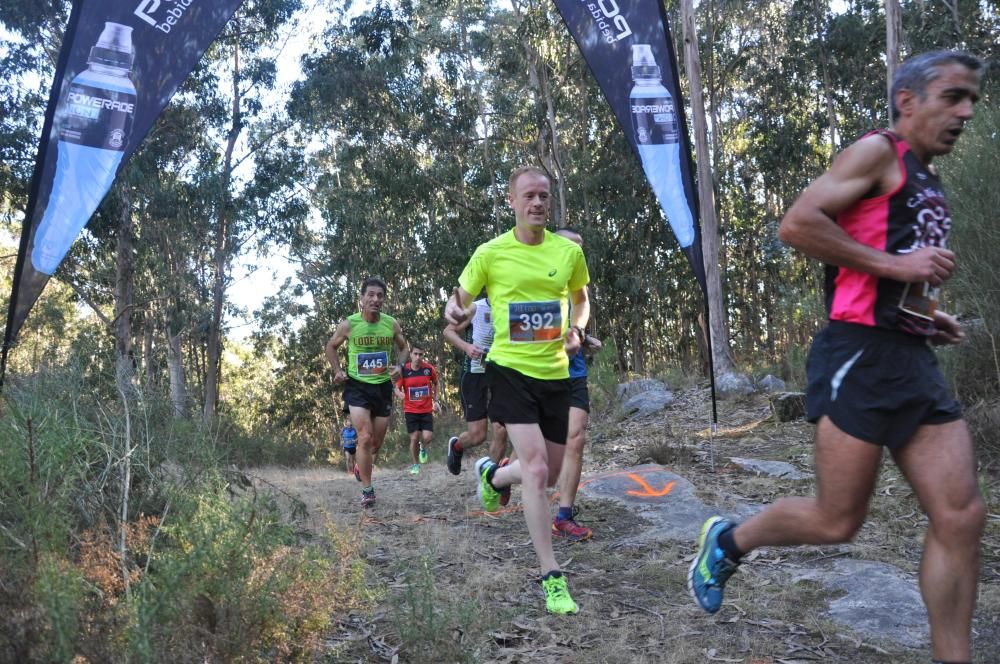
{"x": 913, "y": 216}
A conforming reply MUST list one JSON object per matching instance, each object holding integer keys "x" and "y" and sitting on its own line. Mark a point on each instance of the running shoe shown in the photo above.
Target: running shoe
{"x": 571, "y": 530}
{"x": 357, "y": 473}
{"x": 710, "y": 569}
{"x": 423, "y": 455}
{"x": 415, "y": 469}
{"x": 454, "y": 456}
{"x": 368, "y": 498}
{"x": 504, "y": 492}
{"x": 488, "y": 496}
{"x": 557, "y": 597}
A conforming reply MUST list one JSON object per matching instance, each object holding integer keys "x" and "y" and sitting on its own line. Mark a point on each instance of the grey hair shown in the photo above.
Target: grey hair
{"x": 917, "y": 72}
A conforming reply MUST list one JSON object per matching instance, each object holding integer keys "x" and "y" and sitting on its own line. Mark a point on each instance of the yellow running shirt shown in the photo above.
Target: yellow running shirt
{"x": 528, "y": 287}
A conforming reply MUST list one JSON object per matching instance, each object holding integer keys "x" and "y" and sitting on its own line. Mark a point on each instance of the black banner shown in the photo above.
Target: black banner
{"x": 121, "y": 62}
{"x": 628, "y": 48}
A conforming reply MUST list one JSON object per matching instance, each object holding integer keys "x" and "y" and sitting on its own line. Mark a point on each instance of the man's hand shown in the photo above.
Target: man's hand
{"x": 339, "y": 378}
{"x": 949, "y": 330}
{"x": 593, "y": 344}
{"x": 571, "y": 340}
{"x": 454, "y": 312}
{"x": 436, "y": 408}
{"x": 933, "y": 265}
{"x": 474, "y": 352}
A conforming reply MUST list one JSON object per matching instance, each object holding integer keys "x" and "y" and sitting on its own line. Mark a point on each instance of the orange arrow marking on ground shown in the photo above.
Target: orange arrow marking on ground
{"x": 648, "y": 491}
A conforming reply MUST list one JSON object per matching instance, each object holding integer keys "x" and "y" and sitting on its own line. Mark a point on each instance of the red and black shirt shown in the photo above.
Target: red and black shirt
{"x": 417, "y": 386}
{"x": 913, "y": 216}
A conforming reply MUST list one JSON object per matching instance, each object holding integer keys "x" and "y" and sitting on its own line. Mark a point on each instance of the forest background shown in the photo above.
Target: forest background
{"x": 130, "y": 405}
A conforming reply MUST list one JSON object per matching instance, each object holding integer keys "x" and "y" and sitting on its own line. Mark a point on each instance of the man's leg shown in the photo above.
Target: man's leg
{"x": 379, "y": 426}
{"x": 498, "y": 446}
{"x": 474, "y": 434}
{"x": 414, "y": 444}
{"x": 846, "y": 468}
{"x": 362, "y": 421}
{"x": 425, "y": 437}
{"x": 536, "y": 469}
{"x": 569, "y": 478}
{"x": 940, "y": 465}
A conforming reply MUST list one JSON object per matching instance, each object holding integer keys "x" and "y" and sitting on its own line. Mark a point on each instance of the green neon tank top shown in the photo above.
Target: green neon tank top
{"x": 369, "y": 348}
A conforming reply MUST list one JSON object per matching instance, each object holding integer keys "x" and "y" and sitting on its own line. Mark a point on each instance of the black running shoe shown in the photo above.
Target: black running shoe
{"x": 454, "y": 456}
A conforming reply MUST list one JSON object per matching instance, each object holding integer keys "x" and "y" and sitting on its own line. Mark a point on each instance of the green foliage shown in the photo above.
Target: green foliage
{"x": 198, "y": 566}
{"x": 430, "y": 622}
{"x": 974, "y": 292}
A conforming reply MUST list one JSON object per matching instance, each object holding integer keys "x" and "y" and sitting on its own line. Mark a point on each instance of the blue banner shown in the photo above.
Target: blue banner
{"x": 628, "y": 48}
{"x": 121, "y": 61}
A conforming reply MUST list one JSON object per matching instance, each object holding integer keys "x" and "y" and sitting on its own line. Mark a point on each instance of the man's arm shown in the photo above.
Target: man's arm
{"x": 810, "y": 224}
{"x": 340, "y": 335}
{"x": 459, "y": 306}
{"x": 402, "y": 352}
{"x": 452, "y": 336}
{"x": 579, "y": 315}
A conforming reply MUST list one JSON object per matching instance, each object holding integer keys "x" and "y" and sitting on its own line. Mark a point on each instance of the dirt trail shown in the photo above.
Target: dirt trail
{"x": 453, "y": 584}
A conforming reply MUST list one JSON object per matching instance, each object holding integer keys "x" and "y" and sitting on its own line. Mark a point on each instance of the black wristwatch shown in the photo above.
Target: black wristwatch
{"x": 582, "y": 333}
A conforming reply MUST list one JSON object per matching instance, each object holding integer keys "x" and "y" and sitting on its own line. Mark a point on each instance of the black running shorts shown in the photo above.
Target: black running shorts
{"x": 475, "y": 393}
{"x": 579, "y": 395}
{"x": 875, "y": 384}
{"x": 419, "y": 422}
{"x": 519, "y": 399}
{"x": 377, "y": 398}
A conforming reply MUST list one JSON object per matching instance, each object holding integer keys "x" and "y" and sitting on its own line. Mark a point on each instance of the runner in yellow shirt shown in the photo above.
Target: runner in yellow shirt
{"x": 531, "y": 275}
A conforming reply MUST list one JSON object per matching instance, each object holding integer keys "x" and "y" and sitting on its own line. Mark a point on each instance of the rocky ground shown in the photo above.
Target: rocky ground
{"x": 449, "y": 583}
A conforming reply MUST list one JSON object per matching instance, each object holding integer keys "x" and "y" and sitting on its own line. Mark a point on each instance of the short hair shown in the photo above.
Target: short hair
{"x": 373, "y": 281}
{"x": 416, "y": 345}
{"x": 523, "y": 170}
{"x": 917, "y": 72}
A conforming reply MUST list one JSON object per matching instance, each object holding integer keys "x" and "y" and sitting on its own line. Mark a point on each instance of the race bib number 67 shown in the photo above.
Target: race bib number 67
{"x": 535, "y": 322}
{"x": 372, "y": 364}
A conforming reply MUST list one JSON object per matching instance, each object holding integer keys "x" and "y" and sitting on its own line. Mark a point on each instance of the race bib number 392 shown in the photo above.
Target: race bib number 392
{"x": 535, "y": 322}
{"x": 372, "y": 364}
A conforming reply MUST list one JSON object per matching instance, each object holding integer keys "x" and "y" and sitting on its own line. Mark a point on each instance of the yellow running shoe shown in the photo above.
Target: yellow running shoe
{"x": 557, "y": 598}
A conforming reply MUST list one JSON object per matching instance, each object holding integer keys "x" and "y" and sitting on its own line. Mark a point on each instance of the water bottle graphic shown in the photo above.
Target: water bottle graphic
{"x": 93, "y": 121}
{"x": 654, "y": 120}
{"x": 350, "y": 437}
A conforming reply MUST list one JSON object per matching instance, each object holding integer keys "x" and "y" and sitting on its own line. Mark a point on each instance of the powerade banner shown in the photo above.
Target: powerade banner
{"x": 121, "y": 62}
{"x": 627, "y": 46}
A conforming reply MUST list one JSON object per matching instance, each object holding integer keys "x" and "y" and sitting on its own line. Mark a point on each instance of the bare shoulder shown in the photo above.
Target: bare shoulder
{"x": 872, "y": 158}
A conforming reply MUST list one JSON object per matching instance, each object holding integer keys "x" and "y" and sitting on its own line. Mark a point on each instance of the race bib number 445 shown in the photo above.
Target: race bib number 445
{"x": 372, "y": 364}
{"x": 535, "y": 322}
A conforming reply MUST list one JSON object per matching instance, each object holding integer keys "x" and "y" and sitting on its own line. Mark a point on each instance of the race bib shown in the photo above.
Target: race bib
{"x": 373, "y": 364}
{"x": 535, "y": 322}
{"x": 419, "y": 393}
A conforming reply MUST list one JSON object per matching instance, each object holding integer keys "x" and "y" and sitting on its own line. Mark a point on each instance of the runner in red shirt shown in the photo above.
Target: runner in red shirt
{"x": 418, "y": 387}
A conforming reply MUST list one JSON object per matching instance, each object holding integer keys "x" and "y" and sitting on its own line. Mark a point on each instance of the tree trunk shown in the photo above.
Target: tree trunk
{"x": 893, "y": 28}
{"x": 175, "y": 367}
{"x": 220, "y": 260}
{"x": 124, "y": 288}
{"x": 824, "y": 61}
{"x": 721, "y": 354}
{"x": 548, "y": 134}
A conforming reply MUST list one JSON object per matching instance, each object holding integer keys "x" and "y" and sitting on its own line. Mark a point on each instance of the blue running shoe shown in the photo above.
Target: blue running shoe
{"x": 710, "y": 569}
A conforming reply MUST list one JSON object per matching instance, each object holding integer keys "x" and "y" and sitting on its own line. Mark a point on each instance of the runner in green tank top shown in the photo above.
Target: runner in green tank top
{"x": 371, "y": 337}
